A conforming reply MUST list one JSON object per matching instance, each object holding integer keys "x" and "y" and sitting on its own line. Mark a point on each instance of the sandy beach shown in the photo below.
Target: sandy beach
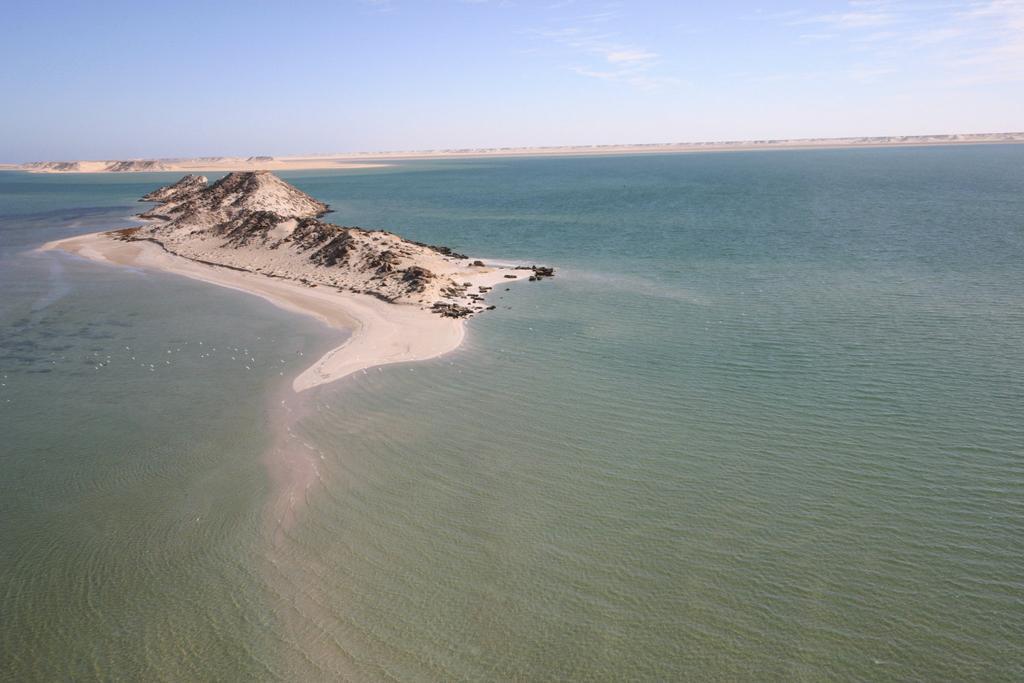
{"x": 380, "y": 332}
{"x": 378, "y": 159}
{"x": 199, "y": 165}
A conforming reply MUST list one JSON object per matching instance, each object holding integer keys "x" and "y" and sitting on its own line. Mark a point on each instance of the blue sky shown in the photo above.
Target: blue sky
{"x": 127, "y": 79}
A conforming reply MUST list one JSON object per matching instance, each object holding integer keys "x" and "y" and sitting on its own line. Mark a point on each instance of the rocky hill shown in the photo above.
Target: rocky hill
{"x": 257, "y": 222}
{"x": 127, "y": 166}
{"x": 52, "y": 166}
{"x": 136, "y": 165}
{"x": 187, "y": 186}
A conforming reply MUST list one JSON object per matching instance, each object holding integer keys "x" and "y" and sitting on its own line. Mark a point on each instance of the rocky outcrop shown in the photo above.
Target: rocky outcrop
{"x": 116, "y": 166}
{"x": 135, "y": 166}
{"x": 53, "y": 166}
{"x": 450, "y": 310}
{"x": 189, "y": 185}
{"x": 417, "y": 278}
{"x": 255, "y": 221}
{"x": 234, "y": 197}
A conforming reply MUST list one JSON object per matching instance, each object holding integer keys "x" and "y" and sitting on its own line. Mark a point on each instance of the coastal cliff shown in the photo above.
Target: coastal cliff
{"x": 128, "y": 166}
{"x": 371, "y": 159}
{"x": 256, "y": 222}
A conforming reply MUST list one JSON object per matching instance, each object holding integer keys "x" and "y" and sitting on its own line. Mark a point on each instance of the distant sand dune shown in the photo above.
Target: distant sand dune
{"x": 355, "y": 160}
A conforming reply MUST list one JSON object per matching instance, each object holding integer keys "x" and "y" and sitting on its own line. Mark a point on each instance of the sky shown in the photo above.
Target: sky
{"x": 87, "y": 79}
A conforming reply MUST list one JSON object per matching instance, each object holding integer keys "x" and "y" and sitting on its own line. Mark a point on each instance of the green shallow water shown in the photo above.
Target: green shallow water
{"x": 766, "y": 423}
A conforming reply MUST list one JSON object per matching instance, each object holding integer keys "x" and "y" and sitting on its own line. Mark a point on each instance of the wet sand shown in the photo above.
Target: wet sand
{"x": 380, "y": 332}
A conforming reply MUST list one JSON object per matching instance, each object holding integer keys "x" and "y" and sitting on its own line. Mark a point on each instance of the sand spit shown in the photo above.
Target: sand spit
{"x": 353, "y": 160}
{"x": 400, "y": 300}
{"x": 198, "y": 165}
{"x": 381, "y": 333}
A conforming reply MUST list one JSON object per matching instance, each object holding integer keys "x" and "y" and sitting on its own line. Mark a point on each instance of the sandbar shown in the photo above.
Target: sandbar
{"x": 380, "y": 332}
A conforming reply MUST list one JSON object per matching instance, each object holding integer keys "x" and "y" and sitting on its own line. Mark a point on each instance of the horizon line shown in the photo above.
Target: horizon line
{"x": 639, "y": 147}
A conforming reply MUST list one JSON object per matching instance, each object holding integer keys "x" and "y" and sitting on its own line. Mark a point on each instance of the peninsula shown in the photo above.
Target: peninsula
{"x": 401, "y": 300}
{"x": 357, "y": 160}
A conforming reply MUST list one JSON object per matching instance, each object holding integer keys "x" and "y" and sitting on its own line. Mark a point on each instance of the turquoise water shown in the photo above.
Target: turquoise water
{"x": 766, "y": 423}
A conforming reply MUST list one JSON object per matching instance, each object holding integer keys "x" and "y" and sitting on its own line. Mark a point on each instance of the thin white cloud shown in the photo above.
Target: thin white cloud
{"x": 816, "y": 37}
{"x": 850, "y": 20}
{"x": 631, "y": 56}
{"x": 634, "y": 78}
{"x": 610, "y": 57}
{"x": 960, "y": 43}
{"x": 936, "y": 35}
{"x": 868, "y": 74}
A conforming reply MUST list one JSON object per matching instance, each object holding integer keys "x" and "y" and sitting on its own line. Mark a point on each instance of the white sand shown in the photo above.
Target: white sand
{"x": 278, "y": 164}
{"x": 352, "y": 160}
{"x": 212, "y": 165}
{"x": 381, "y": 332}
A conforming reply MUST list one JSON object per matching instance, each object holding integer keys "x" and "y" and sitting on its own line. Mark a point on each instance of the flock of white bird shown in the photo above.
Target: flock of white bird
{"x": 239, "y": 354}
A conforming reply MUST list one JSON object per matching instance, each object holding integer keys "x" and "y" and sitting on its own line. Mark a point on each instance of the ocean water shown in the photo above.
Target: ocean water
{"x": 766, "y": 423}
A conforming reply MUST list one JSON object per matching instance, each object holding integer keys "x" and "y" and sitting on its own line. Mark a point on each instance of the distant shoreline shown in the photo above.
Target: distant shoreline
{"x": 362, "y": 160}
